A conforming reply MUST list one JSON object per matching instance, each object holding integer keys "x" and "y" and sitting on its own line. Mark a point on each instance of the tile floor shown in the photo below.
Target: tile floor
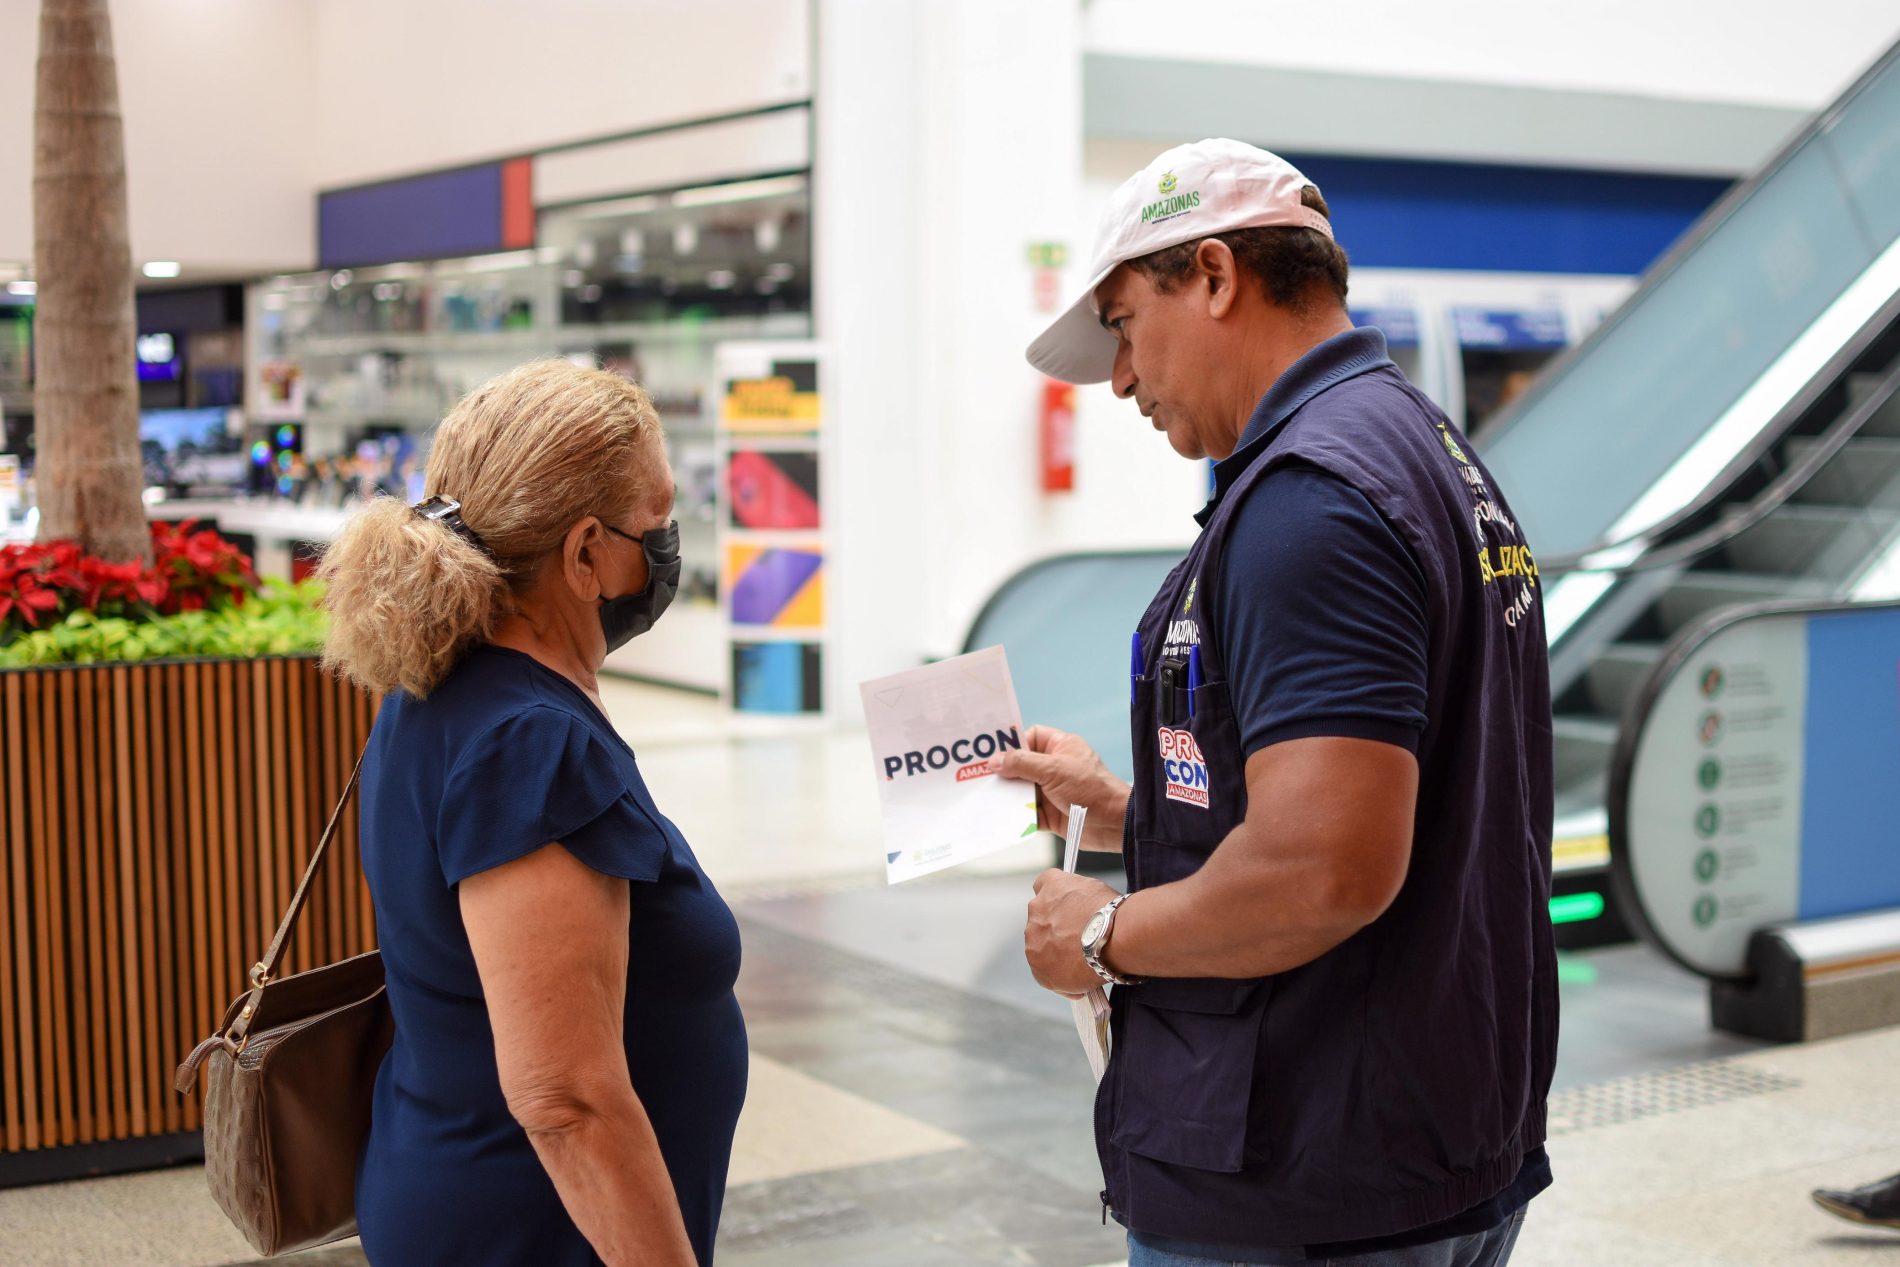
{"x": 917, "y": 1101}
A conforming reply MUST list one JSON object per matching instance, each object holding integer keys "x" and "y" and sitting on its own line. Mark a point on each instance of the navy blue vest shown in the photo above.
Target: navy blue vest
{"x": 1399, "y": 1079}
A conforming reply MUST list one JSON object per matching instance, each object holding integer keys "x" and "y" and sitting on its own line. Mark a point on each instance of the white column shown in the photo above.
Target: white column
{"x": 949, "y": 138}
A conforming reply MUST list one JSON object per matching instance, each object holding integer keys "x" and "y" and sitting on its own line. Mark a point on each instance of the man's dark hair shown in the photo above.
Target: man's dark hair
{"x": 1290, "y": 262}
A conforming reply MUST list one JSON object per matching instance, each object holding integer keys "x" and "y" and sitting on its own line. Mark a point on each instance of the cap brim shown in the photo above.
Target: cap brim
{"x": 1075, "y": 348}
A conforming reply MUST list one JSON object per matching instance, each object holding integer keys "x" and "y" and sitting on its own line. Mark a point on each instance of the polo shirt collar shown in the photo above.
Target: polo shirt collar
{"x": 1325, "y": 365}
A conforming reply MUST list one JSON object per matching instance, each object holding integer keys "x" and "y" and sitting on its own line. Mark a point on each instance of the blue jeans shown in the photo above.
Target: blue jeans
{"x": 1484, "y": 1249}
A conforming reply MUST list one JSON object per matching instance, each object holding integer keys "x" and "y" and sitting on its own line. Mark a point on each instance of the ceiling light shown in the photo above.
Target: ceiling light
{"x": 765, "y": 234}
{"x": 340, "y": 279}
{"x": 739, "y": 191}
{"x": 721, "y": 279}
{"x": 685, "y": 239}
{"x": 162, "y": 268}
{"x": 620, "y": 207}
{"x": 633, "y": 242}
{"x": 23, "y": 288}
{"x": 497, "y": 263}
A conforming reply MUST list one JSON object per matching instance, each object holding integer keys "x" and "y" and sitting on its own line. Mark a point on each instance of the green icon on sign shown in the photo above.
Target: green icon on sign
{"x": 1708, "y": 821}
{"x": 1713, "y": 680}
{"x": 1709, "y": 774}
{"x": 1706, "y": 865}
{"x": 1704, "y": 911}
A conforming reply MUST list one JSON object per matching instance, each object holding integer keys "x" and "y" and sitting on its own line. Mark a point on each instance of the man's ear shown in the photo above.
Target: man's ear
{"x": 1220, "y": 271}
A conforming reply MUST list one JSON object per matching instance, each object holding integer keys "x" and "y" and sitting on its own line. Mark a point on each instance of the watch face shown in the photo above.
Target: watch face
{"x": 1092, "y": 933}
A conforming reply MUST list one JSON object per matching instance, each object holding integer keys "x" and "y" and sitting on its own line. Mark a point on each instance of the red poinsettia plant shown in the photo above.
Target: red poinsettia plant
{"x": 192, "y": 569}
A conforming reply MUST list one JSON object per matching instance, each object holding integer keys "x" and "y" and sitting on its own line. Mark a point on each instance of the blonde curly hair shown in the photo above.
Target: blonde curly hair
{"x": 527, "y": 454}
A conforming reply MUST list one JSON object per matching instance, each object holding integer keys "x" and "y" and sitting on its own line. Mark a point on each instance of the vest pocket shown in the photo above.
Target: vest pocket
{"x": 1189, "y": 1053}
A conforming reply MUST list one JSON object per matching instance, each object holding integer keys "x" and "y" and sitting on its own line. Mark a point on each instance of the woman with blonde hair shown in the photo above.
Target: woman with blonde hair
{"x": 569, "y": 1059}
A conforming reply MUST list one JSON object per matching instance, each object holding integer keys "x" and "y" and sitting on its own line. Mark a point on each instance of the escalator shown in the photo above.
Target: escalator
{"x": 1730, "y": 436}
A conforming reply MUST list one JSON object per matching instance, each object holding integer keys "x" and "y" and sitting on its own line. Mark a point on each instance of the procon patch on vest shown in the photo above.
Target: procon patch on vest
{"x": 1184, "y": 768}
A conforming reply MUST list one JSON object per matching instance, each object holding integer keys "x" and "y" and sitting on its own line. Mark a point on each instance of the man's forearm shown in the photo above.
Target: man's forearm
{"x": 1233, "y": 918}
{"x": 1106, "y": 824}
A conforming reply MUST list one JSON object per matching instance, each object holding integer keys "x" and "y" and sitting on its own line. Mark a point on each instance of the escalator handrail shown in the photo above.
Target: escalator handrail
{"x": 1681, "y": 649}
{"x": 1029, "y": 570}
{"x": 1773, "y": 434}
{"x": 1704, "y": 227}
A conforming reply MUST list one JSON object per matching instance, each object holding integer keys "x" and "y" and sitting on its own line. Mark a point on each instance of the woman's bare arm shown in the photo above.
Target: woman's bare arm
{"x": 550, "y": 940}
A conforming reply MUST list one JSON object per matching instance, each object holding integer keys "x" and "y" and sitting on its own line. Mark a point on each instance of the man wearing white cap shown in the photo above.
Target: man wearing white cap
{"x": 1335, "y": 995}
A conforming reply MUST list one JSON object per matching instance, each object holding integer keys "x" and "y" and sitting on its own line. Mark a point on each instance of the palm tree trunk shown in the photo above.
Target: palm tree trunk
{"x": 85, "y": 401}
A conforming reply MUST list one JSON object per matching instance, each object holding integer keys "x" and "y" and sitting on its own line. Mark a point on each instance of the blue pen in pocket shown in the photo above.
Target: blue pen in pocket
{"x": 1134, "y": 667}
{"x": 1194, "y": 677}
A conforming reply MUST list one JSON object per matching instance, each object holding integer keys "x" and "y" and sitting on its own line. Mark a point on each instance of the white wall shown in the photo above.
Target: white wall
{"x": 1669, "y": 86}
{"x": 406, "y": 85}
{"x": 219, "y": 104}
{"x": 1758, "y": 51}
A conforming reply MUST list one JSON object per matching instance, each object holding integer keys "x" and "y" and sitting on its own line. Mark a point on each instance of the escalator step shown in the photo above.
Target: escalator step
{"x": 1827, "y": 543}
{"x": 1887, "y": 421}
{"x": 1693, "y": 594}
{"x": 1866, "y": 472}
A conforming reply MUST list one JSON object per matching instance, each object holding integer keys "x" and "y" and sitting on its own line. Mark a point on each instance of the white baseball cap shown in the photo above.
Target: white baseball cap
{"x": 1189, "y": 193}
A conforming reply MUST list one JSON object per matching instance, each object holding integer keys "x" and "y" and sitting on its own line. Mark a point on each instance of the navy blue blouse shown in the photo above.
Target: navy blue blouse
{"x": 503, "y": 758}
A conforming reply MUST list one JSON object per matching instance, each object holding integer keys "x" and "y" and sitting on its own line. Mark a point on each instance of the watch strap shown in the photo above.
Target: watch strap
{"x": 1092, "y": 954}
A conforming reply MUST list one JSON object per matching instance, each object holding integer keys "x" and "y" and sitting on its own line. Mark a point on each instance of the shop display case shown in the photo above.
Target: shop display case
{"x": 366, "y": 361}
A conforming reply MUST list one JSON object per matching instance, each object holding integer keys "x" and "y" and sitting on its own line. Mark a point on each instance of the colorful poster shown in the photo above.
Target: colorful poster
{"x": 777, "y": 586}
{"x": 936, "y": 736}
{"x": 770, "y": 395}
{"x": 773, "y": 490}
{"x": 777, "y": 677}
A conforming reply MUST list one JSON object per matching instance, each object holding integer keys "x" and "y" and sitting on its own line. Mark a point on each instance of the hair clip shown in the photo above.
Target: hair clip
{"x": 448, "y": 512}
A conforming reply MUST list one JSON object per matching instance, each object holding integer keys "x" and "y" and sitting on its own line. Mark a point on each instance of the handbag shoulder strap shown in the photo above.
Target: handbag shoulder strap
{"x": 265, "y": 970}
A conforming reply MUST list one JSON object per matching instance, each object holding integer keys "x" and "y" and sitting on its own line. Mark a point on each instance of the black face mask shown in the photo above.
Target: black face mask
{"x": 625, "y": 618}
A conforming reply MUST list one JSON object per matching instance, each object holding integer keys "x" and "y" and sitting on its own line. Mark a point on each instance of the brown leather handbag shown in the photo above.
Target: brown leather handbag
{"x": 288, "y": 1082}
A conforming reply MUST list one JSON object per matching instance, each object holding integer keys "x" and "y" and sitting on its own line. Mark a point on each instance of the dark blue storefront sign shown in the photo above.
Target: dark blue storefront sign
{"x": 1510, "y": 329}
{"x": 1399, "y": 325}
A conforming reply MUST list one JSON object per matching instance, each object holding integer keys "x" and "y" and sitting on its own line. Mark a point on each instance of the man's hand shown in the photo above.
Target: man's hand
{"x": 1067, "y": 772}
{"x": 1052, "y": 939}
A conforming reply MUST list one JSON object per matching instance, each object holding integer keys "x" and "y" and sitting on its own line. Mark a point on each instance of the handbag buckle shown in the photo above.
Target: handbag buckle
{"x": 260, "y": 976}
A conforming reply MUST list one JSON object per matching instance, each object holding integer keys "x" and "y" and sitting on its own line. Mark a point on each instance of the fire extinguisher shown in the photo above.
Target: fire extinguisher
{"x": 1058, "y": 437}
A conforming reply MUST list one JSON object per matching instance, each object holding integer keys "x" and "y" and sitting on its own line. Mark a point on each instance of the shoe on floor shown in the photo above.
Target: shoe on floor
{"x": 1876, "y": 1205}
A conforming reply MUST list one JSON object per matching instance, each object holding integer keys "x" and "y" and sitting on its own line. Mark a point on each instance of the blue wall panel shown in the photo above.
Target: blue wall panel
{"x": 1403, "y": 213}
{"x": 1850, "y": 847}
{"x": 424, "y": 217}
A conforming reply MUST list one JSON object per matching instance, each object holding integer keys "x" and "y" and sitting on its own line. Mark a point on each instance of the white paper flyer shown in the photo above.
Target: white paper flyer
{"x": 936, "y": 736}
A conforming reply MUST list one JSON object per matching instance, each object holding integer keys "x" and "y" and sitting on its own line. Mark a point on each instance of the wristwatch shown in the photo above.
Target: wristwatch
{"x": 1095, "y": 941}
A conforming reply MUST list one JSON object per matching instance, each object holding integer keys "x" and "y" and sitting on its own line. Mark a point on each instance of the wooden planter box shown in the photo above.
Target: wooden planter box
{"x": 154, "y": 819}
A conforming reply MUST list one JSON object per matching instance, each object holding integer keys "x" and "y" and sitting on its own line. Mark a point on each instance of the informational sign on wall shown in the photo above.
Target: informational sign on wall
{"x": 769, "y": 389}
{"x": 773, "y": 528}
{"x": 10, "y": 496}
{"x": 1756, "y": 788}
